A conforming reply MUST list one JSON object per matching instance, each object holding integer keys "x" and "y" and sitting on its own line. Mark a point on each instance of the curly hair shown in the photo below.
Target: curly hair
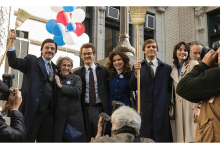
{"x": 60, "y": 60}
{"x": 88, "y": 45}
{"x": 111, "y": 68}
{"x": 175, "y": 59}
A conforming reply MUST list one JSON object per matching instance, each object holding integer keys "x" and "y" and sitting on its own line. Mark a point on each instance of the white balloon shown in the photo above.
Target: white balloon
{"x": 56, "y": 8}
{"x": 84, "y": 38}
{"x": 70, "y": 38}
{"x": 78, "y": 15}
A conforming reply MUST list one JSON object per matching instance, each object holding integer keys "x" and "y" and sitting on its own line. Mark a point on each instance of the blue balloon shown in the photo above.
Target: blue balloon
{"x": 50, "y": 24}
{"x": 71, "y": 26}
{"x": 58, "y": 29}
{"x": 59, "y": 40}
{"x": 69, "y": 8}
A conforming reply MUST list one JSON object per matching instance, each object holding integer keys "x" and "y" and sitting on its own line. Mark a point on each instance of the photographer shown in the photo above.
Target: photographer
{"x": 16, "y": 131}
{"x": 126, "y": 123}
{"x": 203, "y": 84}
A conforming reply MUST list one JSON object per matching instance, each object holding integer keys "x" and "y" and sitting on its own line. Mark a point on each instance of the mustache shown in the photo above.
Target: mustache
{"x": 48, "y": 52}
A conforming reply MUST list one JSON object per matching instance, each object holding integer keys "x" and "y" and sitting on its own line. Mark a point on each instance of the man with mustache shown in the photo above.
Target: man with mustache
{"x": 94, "y": 95}
{"x": 38, "y": 89}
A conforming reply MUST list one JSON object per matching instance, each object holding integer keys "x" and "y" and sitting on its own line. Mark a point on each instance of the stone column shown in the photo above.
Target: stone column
{"x": 4, "y": 28}
{"x": 201, "y": 25}
{"x": 99, "y": 31}
{"x": 124, "y": 44}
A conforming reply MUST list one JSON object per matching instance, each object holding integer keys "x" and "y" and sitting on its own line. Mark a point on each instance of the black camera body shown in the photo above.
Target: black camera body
{"x": 7, "y": 80}
{"x": 206, "y": 49}
{"x": 106, "y": 119}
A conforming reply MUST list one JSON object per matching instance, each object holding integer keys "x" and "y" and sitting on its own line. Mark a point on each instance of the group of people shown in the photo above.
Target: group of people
{"x": 52, "y": 95}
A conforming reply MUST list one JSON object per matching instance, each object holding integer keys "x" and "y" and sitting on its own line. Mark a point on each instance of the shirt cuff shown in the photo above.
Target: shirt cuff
{"x": 11, "y": 48}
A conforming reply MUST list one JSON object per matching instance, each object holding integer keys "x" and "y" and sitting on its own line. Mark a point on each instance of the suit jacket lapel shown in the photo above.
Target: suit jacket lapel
{"x": 42, "y": 66}
{"x": 98, "y": 72}
{"x": 82, "y": 73}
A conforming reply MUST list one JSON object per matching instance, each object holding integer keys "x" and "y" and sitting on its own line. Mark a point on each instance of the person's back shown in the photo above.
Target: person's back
{"x": 126, "y": 123}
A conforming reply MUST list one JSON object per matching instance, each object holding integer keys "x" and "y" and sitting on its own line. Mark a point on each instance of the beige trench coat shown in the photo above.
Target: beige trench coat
{"x": 183, "y": 127}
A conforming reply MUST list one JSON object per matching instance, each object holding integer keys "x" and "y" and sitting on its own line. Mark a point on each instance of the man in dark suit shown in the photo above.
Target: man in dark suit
{"x": 94, "y": 95}
{"x": 38, "y": 89}
{"x": 155, "y": 92}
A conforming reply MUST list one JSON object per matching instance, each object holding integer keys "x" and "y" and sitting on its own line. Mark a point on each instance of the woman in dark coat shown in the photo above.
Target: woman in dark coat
{"x": 67, "y": 95}
{"x": 120, "y": 72}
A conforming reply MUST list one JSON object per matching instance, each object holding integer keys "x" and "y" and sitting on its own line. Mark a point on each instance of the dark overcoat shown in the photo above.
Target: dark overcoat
{"x": 34, "y": 81}
{"x": 68, "y": 100}
{"x": 119, "y": 89}
{"x": 155, "y": 101}
{"x": 103, "y": 92}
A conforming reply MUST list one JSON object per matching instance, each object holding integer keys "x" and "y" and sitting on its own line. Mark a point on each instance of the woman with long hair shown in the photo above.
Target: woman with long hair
{"x": 186, "y": 113}
{"x": 120, "y": 72}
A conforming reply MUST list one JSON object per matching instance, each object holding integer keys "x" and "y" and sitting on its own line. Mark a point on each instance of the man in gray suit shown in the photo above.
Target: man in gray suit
{"x": 94, "y": 95}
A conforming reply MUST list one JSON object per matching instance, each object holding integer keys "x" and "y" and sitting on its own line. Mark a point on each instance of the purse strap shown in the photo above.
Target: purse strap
{"x": 80, "y": 111}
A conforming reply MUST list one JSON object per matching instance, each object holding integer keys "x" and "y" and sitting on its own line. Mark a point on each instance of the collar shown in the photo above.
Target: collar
{"x": 46, "y": 61}
{"x": 125, "y": 129}
{"x": 155, "y": 61}
{"x": 181, "y": 64}
{"x": 93, "y": 67}
{"x": 119, "y": 71}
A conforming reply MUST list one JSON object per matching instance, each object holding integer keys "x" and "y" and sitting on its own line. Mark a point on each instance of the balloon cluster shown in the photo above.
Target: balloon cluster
{"x": 67, "y": 28}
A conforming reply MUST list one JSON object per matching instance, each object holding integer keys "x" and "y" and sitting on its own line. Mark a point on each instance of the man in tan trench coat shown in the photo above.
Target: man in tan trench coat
{"x": 126, "y": 123}
{"x": 203, "y": 84}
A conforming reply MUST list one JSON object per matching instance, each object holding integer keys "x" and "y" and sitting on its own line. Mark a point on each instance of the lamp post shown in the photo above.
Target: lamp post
{"x": 124, "y": 43}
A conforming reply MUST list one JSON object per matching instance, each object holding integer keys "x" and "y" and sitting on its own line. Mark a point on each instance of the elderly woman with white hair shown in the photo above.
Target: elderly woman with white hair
{"x": 126, "y": 123}
{"x": 68, "y": 105}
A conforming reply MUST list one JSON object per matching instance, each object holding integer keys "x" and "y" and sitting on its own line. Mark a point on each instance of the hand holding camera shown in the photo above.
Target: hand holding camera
{"x": 14, "y": 99}
{"x": 210, "y": 57}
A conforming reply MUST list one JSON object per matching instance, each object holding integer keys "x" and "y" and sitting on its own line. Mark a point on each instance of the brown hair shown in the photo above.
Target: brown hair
{"x": 60, "y": 60}
{"x": 48, "y": 41}
{"x": 148, "y": 42}
{"x": 88, "y": 45}
{"x": 111, "y": 68}
{"x": 175, "y": 59}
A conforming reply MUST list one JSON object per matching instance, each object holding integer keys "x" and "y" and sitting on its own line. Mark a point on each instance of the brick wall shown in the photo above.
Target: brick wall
{"x": 179, "y": 26}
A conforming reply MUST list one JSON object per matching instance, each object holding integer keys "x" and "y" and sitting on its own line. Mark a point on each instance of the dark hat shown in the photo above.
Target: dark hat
{"x": 3, "y": 87}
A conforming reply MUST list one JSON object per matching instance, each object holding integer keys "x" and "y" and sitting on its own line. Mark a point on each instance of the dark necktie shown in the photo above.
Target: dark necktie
{"x": 50, "y": 72}
{"x": 151, "y": 69}
{"x": 92, "y": 96}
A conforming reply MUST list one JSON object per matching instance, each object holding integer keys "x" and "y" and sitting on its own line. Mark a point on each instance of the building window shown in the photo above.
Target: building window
{"x": 112, "y": 33}
{"x": 22, "y": 49}
{"x": 213, "y": 19}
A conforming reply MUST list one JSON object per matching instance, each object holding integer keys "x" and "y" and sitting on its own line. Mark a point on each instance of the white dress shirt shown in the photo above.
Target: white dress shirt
{"x": 155, "y": 64}
{"x": 98, "y": 100}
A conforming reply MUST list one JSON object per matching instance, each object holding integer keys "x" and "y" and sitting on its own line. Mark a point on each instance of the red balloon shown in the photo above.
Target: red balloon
{"x": 80, "y": 29}
{"x": 71, "y": 15}
{"x": 63, "y": 17}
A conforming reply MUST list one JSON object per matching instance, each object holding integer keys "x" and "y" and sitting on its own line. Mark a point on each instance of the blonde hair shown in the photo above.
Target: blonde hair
{"x": 60, "y": 60}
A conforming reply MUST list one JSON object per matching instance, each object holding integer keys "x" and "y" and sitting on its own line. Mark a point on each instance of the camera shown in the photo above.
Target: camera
{"x": 206, "y": 49}
{"x": 106, "y": 119}
{"x": 5, "y": 85}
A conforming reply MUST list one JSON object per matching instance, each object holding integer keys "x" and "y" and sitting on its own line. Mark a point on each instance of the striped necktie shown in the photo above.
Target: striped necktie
{"x": 50, "y": 72}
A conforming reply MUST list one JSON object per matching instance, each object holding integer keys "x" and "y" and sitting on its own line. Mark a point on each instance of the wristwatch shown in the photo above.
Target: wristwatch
{"x": 197, "y": 107}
